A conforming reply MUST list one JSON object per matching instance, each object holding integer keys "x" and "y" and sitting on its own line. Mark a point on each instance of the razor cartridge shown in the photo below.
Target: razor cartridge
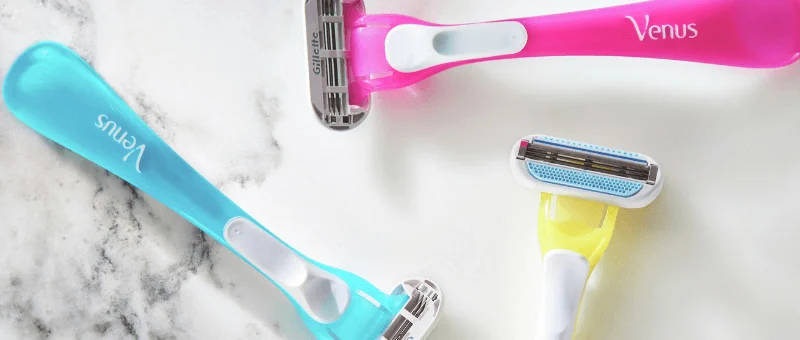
{"x": 565, "y": 167}
{"x": 419, "y": 315}
{"x": 582, "y": 188}
{"x": 59, "y": 95}
{"x": 327, "y": 50}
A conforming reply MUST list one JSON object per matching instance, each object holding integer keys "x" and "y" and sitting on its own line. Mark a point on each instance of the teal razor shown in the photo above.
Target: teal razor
{"x": 54, "y": 91}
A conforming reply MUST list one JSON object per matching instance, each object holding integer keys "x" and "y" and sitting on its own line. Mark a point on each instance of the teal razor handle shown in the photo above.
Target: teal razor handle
{"x": 54, "y": 91}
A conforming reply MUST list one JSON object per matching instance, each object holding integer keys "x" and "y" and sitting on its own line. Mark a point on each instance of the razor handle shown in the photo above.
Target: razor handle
{"x": 55, "y": 92}
{"x": 742, "y": 33}
{"x": 573, "y": 235}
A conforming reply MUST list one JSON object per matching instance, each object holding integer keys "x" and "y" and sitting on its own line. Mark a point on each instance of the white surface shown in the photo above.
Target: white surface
{"x": 421, "y": 188}
{"x": 412, "y": 48}
{"x": 564, "y": 275}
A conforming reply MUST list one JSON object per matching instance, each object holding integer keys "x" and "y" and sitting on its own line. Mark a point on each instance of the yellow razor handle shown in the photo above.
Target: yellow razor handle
{"x": 573, "y": 235}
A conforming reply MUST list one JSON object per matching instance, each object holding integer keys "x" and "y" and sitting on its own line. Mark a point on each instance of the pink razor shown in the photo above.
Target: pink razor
{"x": 352, "y": 54}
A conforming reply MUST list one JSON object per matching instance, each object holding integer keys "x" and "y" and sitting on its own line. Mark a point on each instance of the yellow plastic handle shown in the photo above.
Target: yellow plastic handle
{"x": 573, "y": 235}
{"x": 582, "y": 226}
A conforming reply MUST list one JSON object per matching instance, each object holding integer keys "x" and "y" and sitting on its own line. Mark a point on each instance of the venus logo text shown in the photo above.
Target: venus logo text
{"x": 663, "y": 32}
{"x": 121, "y": 137}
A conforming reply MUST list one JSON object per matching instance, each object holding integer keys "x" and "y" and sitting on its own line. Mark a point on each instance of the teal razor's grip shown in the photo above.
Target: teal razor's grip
{"x": 58, "y": 94}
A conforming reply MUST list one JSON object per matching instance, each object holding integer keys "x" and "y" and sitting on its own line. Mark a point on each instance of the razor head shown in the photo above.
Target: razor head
{"x": 420, "y": 313}
{"x": 571, "y": 168}
{"x": 327, "y": 26}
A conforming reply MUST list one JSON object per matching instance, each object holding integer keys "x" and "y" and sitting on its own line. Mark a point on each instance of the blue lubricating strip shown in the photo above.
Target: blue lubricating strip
{"x": 591, "y": 148}
{"x": 584, "y": 180}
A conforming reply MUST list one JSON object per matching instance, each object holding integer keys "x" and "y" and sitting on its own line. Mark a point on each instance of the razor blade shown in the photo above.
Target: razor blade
{"x": 599, "y": 173}
{"x": 327, "y": 50}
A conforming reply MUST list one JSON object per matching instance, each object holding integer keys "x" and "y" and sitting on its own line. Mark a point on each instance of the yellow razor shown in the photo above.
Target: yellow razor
{"x": 582, "y": 188}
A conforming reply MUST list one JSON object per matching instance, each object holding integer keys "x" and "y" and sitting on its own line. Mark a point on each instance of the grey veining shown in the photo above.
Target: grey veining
{"x": 91, "y": 257}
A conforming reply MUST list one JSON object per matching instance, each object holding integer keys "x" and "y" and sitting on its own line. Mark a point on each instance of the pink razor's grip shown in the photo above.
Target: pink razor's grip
{"x": 742, "y": 33}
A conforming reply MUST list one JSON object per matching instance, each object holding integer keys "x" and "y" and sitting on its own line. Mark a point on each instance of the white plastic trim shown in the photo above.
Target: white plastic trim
{"x": 411, "y": 48}
{"x": 565, "y": 275}
{"x": 322, "y": 295}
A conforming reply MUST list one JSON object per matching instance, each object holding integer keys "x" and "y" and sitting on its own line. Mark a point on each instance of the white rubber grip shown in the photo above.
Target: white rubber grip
{"x": 323, "y": 296}
{"x": 411, "y": 48}
{"x": 565, "y": 275}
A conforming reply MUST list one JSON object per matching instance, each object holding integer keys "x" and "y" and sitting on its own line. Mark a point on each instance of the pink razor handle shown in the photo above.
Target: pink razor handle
{"x": 392, "y": 51}
{"x": 352, "y": 54}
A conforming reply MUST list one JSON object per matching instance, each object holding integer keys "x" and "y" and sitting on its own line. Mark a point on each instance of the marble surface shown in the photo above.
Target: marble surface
{"x": 422, "y": 188}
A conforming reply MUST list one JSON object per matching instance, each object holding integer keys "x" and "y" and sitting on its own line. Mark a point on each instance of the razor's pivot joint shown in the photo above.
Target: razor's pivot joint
{"x": 419, "y": 315}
